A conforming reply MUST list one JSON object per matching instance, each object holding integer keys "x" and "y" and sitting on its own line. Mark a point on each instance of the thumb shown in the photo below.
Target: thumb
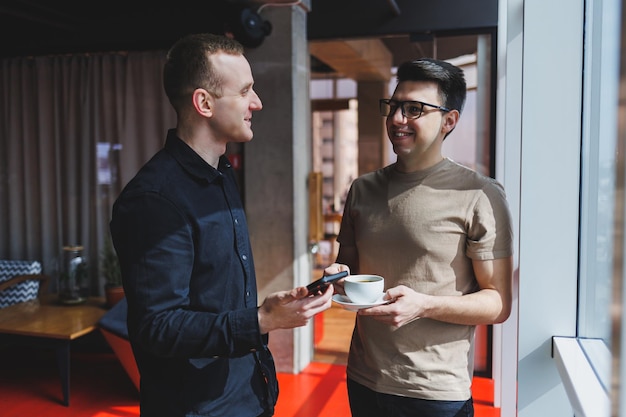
{"x": 299, "y": 292}
{"x": 392, "y": 293}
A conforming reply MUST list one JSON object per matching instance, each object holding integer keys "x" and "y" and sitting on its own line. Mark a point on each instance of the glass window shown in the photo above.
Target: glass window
{"x": 598, "y": 182}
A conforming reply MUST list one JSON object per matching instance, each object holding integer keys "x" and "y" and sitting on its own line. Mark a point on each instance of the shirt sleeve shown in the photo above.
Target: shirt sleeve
{"x": 346, "y": 231}
{"x": 490, "y": 233}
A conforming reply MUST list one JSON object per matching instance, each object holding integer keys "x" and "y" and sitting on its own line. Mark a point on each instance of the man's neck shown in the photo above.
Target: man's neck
{"x": 202, "y": 143}
{"x": 417, "y": 164}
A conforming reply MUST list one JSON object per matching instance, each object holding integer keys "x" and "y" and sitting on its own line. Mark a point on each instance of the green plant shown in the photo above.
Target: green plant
{"x": 110, "y": 265}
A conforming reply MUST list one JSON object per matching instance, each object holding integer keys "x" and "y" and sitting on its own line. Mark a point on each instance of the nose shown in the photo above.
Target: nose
{"x": 397, "y": 114}
{"x": 256, "y": 103}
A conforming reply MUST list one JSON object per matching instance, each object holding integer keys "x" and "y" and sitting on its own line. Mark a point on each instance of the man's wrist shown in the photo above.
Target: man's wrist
{"x": 263, "y": 327}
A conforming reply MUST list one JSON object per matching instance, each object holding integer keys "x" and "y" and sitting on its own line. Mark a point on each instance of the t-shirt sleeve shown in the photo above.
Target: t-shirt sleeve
{"x": 490, "y": 232}
{"x": 346, "y": 231}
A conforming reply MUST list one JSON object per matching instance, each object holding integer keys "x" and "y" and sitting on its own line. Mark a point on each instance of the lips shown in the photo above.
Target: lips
{"x": 401, "y": 135}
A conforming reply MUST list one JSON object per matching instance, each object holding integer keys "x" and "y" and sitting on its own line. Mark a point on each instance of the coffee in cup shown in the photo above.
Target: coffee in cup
{"x": 364, "y": 289}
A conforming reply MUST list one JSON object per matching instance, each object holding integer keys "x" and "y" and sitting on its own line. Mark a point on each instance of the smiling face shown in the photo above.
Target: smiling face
{"x": 418, "y": 142}
{"x": 232, "y": 110}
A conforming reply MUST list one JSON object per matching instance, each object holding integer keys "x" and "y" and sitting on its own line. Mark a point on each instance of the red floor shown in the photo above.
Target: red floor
{"x": 320, "y": 391}
{"x": 30, "y": 387}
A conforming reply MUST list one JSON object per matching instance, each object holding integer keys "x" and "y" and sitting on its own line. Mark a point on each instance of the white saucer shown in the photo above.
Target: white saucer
{"x": 349, "y": 305}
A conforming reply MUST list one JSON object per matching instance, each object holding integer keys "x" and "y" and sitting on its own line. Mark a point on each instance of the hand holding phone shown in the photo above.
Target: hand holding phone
{"x": 321, "y": 284}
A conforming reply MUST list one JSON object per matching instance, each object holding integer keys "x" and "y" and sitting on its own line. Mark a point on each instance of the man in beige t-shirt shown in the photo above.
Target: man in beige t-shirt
{"x": 441, "y": 235}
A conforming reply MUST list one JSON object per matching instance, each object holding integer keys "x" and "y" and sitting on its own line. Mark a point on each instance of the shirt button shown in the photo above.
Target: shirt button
{"x": 244, "y": 257}
{"x": 236, "y": 221}
{"x": 247, "y": 293}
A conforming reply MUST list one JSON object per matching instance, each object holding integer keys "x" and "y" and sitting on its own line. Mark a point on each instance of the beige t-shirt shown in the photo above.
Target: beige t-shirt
{"x": 421, "y": 230}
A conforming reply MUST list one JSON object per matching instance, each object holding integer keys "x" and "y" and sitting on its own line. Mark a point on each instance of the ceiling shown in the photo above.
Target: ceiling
{"x": 41, "y": 27}
{"x": 34, "y": 27}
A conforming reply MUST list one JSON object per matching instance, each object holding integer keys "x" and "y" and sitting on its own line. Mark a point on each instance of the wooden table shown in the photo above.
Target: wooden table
{"x": 46, "y": 323}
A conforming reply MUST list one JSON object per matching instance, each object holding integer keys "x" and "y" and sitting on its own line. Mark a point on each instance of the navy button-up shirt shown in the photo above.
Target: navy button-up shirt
{"x": 182, "y": 239}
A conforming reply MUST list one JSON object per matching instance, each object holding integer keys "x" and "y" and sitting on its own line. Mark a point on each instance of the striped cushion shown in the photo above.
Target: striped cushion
{"x": 23, "y": 291}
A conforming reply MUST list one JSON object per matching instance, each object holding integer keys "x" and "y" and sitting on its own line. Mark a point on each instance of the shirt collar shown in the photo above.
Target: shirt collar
{"x": 191, "y": 161}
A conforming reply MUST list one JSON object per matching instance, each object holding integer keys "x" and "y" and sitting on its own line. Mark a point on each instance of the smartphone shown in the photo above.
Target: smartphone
{"x": 321, "y": 284}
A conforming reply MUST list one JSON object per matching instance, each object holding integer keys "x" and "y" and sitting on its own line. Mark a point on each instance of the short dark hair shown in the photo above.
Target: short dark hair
{"x": 449, "y": 78}
{"x": 188, "y": 66}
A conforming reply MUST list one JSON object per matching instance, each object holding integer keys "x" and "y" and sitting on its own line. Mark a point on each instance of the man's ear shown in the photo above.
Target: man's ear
{"x": 450, "y": 119}
{"x": 202, "y": 102}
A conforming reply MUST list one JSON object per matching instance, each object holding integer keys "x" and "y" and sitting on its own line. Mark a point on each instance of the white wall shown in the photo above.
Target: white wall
{"x": 538, "y": 162}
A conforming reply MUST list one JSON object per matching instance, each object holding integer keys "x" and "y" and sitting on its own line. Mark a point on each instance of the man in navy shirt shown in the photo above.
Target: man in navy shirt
{"x": 180, "y": 232}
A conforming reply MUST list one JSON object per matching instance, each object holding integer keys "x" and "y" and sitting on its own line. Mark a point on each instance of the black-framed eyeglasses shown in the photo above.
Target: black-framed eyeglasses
{"x": 410, "y": 109}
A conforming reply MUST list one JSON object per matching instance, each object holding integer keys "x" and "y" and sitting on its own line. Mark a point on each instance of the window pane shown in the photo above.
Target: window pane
{"x": 598, "y": 169}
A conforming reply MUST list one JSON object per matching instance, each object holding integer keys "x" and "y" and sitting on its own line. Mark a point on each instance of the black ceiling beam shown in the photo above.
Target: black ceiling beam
{"x": 357, "y": 18}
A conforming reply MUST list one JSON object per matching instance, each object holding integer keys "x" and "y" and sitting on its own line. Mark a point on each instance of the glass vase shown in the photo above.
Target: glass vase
{"x": 73, "y": 279}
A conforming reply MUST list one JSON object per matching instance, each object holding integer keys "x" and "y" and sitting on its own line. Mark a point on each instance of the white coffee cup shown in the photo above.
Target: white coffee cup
{"x": 364, "y": 289}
